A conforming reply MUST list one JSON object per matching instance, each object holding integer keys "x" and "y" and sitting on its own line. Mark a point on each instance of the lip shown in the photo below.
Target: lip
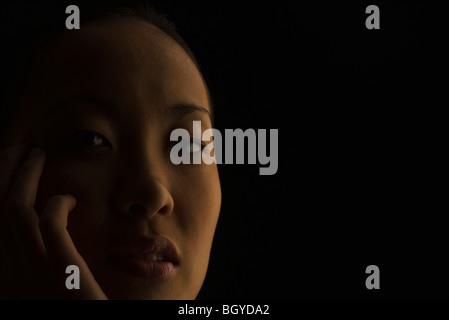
{"x": 124, "y": 257}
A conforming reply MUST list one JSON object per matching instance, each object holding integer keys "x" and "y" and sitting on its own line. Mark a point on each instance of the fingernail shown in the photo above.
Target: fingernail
{"x": 36, "y": 153}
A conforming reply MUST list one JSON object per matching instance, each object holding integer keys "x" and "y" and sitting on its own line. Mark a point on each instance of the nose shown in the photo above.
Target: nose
{"x": 143, "y": 193}
{"x": 152, "y": 201}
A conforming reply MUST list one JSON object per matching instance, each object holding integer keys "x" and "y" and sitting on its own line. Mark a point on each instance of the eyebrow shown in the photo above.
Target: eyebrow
{"x": 97, "y": 103}
{"x": 183, "y": 109}
{"x": 178, "y": 110}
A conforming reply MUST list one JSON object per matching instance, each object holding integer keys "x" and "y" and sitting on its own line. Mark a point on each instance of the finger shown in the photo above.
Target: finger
{"x": 10, "y": 160}
{"x": 25, "y": 245}
{"x": 20, "y": 205}
{"x": 61, "y": 250}
{"x": 24, "y": 189}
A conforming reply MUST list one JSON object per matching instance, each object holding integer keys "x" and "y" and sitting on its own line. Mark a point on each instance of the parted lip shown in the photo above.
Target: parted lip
{"x": 137, "y": 245}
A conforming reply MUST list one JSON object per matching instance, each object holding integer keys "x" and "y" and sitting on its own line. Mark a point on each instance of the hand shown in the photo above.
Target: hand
{"x": 35, "y": 251}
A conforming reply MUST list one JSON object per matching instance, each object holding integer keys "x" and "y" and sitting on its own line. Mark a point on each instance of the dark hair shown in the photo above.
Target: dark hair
{"x": 40, "y": 23}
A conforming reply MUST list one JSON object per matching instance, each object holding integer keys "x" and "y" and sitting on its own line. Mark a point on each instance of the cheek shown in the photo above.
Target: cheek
{"x": 199, "y": 202}
{"x": 199, "y": 198}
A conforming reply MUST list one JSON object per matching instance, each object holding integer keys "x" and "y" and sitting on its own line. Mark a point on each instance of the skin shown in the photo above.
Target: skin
{"x": 124, "y": 184}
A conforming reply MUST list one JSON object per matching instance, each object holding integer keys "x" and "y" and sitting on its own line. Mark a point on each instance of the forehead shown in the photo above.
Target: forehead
{"x": 126, "y": 60}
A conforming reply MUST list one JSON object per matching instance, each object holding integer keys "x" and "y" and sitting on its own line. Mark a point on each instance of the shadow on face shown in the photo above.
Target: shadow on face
{"x": 102, "y": 102}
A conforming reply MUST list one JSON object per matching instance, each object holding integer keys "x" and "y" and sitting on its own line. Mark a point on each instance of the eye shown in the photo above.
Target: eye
{"x": 87, "y": 139}
{"x": 196, "y": 145}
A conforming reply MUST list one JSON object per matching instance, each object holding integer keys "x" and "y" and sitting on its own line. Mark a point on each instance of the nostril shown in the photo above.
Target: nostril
{"x": 165, "y": 210}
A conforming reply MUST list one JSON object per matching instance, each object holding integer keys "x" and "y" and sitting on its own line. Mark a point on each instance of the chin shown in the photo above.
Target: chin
{"x": 126, "y": 288}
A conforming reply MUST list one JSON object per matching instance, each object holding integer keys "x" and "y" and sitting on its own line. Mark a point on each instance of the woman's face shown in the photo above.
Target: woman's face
{"x": 102, "y": 102}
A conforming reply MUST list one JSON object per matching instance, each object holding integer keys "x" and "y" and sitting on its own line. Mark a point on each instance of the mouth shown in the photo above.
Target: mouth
{"x": 151, "y": 258}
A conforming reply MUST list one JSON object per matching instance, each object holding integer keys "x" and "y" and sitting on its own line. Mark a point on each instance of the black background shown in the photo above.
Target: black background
{"x": 359, "y": 114}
